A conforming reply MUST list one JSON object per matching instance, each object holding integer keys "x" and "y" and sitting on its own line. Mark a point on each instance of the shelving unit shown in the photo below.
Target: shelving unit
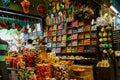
{"x": 70, "y": 39}
{"x": 70, "y": 33}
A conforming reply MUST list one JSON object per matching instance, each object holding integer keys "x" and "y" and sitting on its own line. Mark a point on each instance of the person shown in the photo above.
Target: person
{"x": 29, "y": 44}
{"x": 3, "y": 68}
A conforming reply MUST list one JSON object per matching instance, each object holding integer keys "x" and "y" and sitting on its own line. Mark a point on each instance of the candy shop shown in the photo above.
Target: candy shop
{"x": 59, "y": 40}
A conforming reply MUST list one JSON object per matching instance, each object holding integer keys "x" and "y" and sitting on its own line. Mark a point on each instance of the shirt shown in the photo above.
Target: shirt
{"x": 30, "y": 46}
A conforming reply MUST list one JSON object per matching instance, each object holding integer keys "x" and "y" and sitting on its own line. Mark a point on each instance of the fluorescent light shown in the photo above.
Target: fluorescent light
{"x": 114, "y": 9}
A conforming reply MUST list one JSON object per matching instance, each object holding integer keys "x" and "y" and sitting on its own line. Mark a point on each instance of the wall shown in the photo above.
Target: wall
{"x": 15, "y": 5}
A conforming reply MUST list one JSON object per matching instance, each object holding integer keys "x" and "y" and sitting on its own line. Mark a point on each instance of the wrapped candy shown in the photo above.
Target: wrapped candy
{"x": 60, "y": 72}
{"x": 26, "y": 74}
{"x": 14, "y": 62}
{"x": 43, "y": 71}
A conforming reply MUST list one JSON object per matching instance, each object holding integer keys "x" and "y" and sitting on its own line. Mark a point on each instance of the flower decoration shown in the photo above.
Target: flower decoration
{"x": 25, "y": 4}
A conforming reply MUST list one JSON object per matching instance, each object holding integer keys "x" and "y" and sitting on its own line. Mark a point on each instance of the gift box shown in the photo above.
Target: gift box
{"x": 80, "y": 49}
{"x": 69, "y": 24}
{"x": 68, "y": 49}
{"x": 59, "y": 32}
{"x": 87, "y": 28}
{"x": 69, "y": 31}
{"x": 75, "y": 23}
{"x": 54, "y": 27}
{"x": 93, "y": 49}
{"x": 93, "y": 28}
{"x": 87, "y": 49}
{"x": 58, "y": 50}
{"x": 81, "y": 24}
{"x": 87, "y": 35}
{"x": 75, "y": 30}
{"x": 80, "y": 42}
{"x": 81, "y": 29}
{"x": 53, "y": 49}
{"x": 59, "y": 26}
{"x": 74, "y": 43}
{"x": 69, "y": 43}
{"x": 87, "y": 42}
{"x": 63, "y": 43}
{"x": 50, "y": 28}
{"x": 93, "y": 41}
{"x": 50, "y": 33}
{"x": 94, "y": 35}
{"x": 63, "y": 31}
{"x": 64, "y": 25}
{"x": 69, "y": 37}
{"x": 53, "y": 33}
{"x": 64, "y": 37}
{"x": 74, "y": 36}
{"x": 58, "y": 44}
{"x": 49, "y": 39}
{"x": 74, "y": 49}
{"x": 54, "y": 39}
{"x": 58, "y": 38}
{"x": 45, "y": 34}
{"x": 81, "y": 36}
{"x": 63, "y": 50}
{"x": 54, "y": 44}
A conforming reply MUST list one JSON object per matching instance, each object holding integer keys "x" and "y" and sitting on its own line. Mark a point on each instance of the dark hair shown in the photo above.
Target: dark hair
{"x": 30, "y": 41}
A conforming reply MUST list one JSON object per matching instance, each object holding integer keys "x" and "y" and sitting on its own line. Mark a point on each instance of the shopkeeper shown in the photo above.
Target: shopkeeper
{"x": 29, "y": 44}
{"x": 3, "y": 69}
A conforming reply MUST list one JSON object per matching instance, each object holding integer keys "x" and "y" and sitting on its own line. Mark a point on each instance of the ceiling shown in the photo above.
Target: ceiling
{"x": 118, "y": 1}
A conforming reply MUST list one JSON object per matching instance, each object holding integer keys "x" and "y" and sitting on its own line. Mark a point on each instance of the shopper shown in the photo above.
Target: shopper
{"x": 3, "y": 69}
{"x": 29, "y": 44}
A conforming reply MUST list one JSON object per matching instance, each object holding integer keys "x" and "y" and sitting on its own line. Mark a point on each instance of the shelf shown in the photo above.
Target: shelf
{"x": 75, "y": 53}
{"x": 80, "y": 59}
{"x": 87, "y": 62}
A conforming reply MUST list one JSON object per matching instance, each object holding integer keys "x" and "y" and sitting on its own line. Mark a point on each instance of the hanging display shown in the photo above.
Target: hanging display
{"x": 105, "y": 40}
{"x": 41, "y": 10}
{"x": 6, "y": 3}
{"x": 25, "y": 4}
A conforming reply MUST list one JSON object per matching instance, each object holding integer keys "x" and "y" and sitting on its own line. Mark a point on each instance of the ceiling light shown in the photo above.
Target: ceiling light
{"x": 114, "y": 9}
